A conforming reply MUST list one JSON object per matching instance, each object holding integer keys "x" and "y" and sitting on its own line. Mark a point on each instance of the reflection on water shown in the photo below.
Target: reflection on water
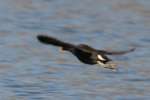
{"x": 32, "y": 71}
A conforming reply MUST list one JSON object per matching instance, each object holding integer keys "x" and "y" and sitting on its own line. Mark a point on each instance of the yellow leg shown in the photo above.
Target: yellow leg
{"x": 61, "y": 49}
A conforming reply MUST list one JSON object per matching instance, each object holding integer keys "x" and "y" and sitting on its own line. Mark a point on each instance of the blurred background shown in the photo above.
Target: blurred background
{"x": 32, "y": 71}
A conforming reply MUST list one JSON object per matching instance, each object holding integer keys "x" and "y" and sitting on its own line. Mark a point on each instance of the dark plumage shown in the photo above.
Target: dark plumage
{"x": 83, "y": 52}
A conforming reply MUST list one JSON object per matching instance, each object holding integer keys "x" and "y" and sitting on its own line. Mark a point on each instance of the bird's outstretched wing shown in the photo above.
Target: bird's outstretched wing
{"x": 115, "y": 52}
{"x": 53, "y": 41}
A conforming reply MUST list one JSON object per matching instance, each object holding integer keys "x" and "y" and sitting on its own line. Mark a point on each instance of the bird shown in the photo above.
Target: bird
{"x": 85, "y": 53}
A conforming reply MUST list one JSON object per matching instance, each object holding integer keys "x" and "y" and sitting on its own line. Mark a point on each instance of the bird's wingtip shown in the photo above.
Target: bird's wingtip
{"x": 43, "y": 39}
{"x": 132, "y": 49}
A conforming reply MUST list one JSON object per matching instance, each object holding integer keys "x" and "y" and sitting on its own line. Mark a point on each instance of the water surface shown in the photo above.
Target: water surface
{"x": 32, "y": 71}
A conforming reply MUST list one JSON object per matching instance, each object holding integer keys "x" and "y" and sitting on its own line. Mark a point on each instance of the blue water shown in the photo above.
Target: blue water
{"x": 32, "y": 71}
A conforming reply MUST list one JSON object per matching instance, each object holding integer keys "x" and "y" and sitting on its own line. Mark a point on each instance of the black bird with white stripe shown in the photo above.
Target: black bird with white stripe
{"x": 83, "y": 52}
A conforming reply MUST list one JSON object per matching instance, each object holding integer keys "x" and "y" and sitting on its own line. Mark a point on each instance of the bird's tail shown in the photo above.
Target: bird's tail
{"x": 116, "y": 52}
{"x": 53, "y": 41}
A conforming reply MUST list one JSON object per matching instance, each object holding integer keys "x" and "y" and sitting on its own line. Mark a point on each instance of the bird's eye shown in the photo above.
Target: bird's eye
{"x": 101, "y": 58}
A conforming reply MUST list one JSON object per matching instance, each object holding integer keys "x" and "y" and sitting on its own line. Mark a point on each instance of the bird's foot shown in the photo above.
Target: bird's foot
{"x": 111, "y": 66}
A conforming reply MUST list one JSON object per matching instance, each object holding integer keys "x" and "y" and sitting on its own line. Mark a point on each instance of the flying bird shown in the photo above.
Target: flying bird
{"x": 85, "y": 53}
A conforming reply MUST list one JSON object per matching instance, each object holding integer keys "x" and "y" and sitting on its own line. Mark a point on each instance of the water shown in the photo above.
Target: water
{"x": 32, "y": 71}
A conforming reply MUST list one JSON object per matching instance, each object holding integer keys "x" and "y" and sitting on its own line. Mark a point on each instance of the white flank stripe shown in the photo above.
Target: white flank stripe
{"x": 100, "y": 57}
